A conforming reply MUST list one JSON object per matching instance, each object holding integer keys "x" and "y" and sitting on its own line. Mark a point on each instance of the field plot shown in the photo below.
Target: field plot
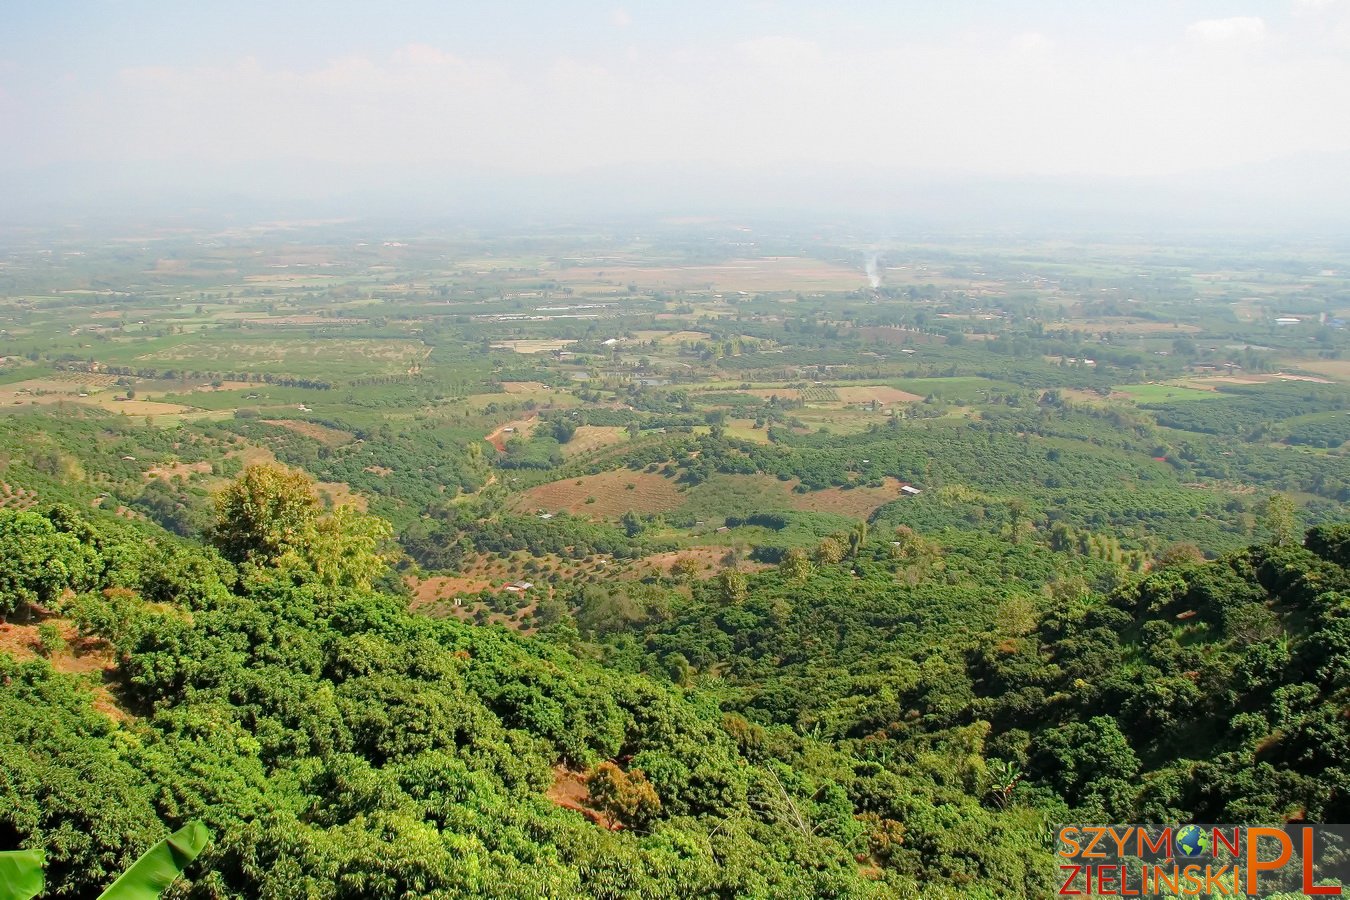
{"x": 525, "y": 387}
{"x": 770, "y": 393}
{"x": 440, "y": 588}
{"x": 607, "y": 495}
{"x": 855, "y": 503}
{"x": 531, "y": 346}
{"x": 879, "y": 393}
{"x": 325, "y": 358}
{"x": 745, "y": 430}
{"x": 1124, "y": 326}
{"x": 1160, "y": 393}
{"x": 771, "y": 273}
{"x": 673, "y": 337}
{"x": 593, "y": 437}
{"x": 329, "y": 437}
{"x": 519, "y": 428}
{"x": 1337, "y": 369}
{"x": 709, "y": 560}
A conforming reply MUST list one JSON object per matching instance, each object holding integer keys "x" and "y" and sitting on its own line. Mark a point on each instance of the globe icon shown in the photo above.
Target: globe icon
{"x": 1192, "y": 841}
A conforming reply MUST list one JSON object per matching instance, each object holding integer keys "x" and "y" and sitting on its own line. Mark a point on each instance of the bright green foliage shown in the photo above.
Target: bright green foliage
{"x": 20, "y": 874}
{"x": 263, "y": 514}
{"x": 41, "y": 555}
{"x": 49, "y": 639}
{"x": 903, "y": 725}
{"x": 337, "y": 746}
{"x": 160, "y": 866}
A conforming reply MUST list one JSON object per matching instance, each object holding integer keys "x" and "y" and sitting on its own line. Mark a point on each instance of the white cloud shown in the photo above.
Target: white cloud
{"x": 621, "y": 18}
{"x": 1236, "y": 30}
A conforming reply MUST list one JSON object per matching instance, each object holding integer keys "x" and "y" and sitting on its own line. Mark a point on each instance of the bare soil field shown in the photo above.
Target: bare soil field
{"x": 879, "y": 392}
{"x": 444, "y": 588}
{"x": 609, "y": 491}
{"x": 524, "y": 387}
{"x": 857, "y": 503}
{"x": 709, "y": 560}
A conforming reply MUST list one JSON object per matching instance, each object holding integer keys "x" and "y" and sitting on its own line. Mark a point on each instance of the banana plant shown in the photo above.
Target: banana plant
{"x": 21, "y": 874}
{"x": 21, "y": 870}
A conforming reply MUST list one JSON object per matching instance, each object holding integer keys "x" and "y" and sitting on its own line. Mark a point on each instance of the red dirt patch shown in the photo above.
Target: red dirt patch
{"x": 519, "y": 428}
{"x": 610, "y": 491}
{"x": 709, "y": 560}
{"x": 444, "y": 587}
{"x": 856, "y": 503}
{"x": 81, "y": 656}
{"x": 569, "y": 791}
{"x": 883, "y": 394}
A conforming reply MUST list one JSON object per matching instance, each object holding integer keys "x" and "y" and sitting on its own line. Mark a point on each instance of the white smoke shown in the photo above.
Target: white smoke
{"x": 873, "y": 271}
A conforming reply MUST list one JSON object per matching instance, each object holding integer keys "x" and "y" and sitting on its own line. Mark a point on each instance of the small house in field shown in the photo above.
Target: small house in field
{"x": 910, "y": 489}
{"x": 518, "y": 587}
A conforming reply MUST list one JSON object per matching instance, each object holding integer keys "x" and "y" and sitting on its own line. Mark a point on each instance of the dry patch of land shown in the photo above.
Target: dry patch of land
{"x": 856, "y": 503}
{"x": 866, "y": 393}
{"x": 708, "y": 559}
{"x": 1337, "y": 369}
{"x": 570, "y": 792}
{"x": 339, "y": 493}
{"x": 170, "y": 471}
{"x": 593, "y": 437}
{"x": 524, "y": 387}
{"x": 531, "y": 346}
{"x": 783, "y": 393}
{"x": 672, "y": 337}
{"x": 16, "y": 498}
{"x": 444, "y": 588}
{"x": 509, "y": 430}
{"x": 329, "y": 437}
{"x": 80, "y": 656}
{"x": 606, "y": 495}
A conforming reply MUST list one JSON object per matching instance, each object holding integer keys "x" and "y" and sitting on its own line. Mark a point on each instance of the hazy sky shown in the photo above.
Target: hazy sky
{"x": 1040, "y": 88}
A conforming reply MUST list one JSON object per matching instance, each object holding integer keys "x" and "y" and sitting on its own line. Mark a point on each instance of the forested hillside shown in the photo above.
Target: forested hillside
{"x": 890, "y": 716}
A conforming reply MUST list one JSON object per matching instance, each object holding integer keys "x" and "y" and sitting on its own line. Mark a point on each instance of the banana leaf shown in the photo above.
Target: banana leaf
{"x": 160, "y": 865}
{"x": 21, "y": 874}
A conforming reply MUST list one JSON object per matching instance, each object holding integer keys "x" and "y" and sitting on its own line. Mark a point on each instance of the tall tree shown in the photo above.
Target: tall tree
{"x": 263, "y": 513}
